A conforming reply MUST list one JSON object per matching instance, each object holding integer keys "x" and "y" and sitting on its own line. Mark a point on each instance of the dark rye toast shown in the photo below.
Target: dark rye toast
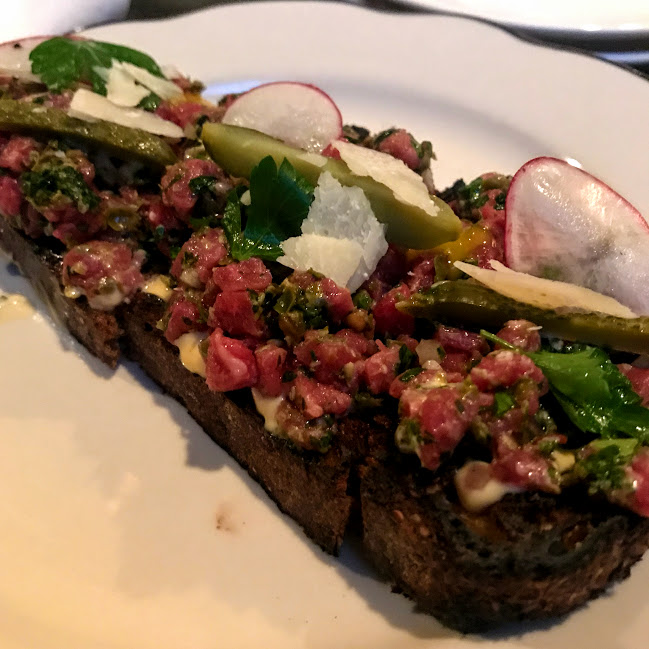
{"x": 528, "y": 556}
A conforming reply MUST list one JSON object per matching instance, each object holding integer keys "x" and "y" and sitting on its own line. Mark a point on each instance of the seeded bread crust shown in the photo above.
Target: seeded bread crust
{"x": 528, "y": 556}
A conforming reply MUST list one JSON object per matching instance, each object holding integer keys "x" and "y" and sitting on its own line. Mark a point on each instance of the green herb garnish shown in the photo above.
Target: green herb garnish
{"x": 604, "y": 467}
{"x": 592, "y": 391}
{"x": 410, "y": 374}
{"x": 503, "y": 403}
{"x": 52, "y": 185}
{"x": 150, "y": 102}
{"x": 279, "y": 202}
{"x": 406, "y": 359}
{"x": 61, "y": 62}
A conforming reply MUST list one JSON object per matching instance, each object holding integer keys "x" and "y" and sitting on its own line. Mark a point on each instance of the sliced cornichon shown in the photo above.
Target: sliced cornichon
{"x": 467, "y": 302}
{"x": 122, "y": 141}
{"x": 238, "y": 150}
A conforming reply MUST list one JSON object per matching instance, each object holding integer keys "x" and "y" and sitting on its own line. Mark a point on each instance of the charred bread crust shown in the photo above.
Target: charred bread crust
{"x": 310, "y": 487}
{"x": 97, "y": 331}
{"x": 531, "y": 555}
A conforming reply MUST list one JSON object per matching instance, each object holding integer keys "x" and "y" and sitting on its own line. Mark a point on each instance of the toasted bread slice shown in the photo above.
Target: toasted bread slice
{"x": 530, "y": 555}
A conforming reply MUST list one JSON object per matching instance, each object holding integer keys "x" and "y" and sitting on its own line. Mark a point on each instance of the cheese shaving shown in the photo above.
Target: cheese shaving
{"x": 90, "y": 106}
{"x": 338, "y": 214}
{"x": 544, "y": 293}
{"x": 407, "y": 186}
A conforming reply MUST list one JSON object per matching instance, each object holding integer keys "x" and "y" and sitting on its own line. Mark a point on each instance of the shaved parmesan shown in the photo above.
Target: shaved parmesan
{"x": 338, "y": 214}
{"x": 335, "y": 258}
{"x": 122, "y": 89}
{"x": 128, "y": 84}
{"x": 407, "y": 186}
{"x": 544, "y": 293}
{"x": 89, "y": 106}
{"x": 164, "y": 88}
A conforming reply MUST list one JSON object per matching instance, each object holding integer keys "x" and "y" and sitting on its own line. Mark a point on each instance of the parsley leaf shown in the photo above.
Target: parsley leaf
{"x": 279, "y": 202}
{"x": 61, "y": 62}
{"x": 592, "y": 391}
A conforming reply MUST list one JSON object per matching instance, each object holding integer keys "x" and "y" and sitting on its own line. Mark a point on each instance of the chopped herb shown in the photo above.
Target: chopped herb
{"x": 499, "y": 203}
{"x": 362, "y": 300}
{"x": 503, "y": 403}
{"x": 365, "y": 401}
{"x": 604, "y": 467}
{"x": 150, "y": 102}
{"x": 201, "y": 184}
{"x": 473, "y": 194}
{"x": 53, "y": 185}
{"x": 61, "y": 62}
{"x": 410, "y": 374}
{"x": 406, "y": 360}
{"x": 280, "y": 201}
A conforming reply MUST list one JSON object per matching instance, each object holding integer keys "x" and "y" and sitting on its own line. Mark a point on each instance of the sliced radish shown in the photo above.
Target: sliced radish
{"x": 297, "y": 113}
{"x": 14, "y": 58}
{"x": 564, "y": 224}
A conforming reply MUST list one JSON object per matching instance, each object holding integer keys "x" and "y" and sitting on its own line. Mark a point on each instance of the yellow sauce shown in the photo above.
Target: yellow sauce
{"x": 14, "y": 307}
{"x": 190, "y": 353}
{"x": 267, "y": 407}
{"x": 159, "y": 285}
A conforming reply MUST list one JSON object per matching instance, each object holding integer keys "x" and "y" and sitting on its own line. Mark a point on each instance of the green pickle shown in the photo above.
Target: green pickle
{"x": 122, "y": 141}
{"x": 237, "y": 150}
{"x": 467, "y": 302}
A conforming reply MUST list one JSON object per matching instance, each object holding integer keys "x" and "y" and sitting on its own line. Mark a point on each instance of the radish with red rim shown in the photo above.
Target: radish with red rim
{"x": 563, "y": 223}
{"x": 297, "y": 113}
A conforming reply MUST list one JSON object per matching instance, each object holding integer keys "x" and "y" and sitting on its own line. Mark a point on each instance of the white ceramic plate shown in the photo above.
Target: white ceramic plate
{"x": 122, "y": 525}
{"x": 596, "y": 17}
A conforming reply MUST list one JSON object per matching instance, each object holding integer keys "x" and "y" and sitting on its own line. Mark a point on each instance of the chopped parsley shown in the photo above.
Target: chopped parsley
{"x": 604, "y": 467}
{"x": 410, "y": 374}
{"x": 52, "y": 186}
{"x": 406, "y": 359}
{"x": 503, "y": 403}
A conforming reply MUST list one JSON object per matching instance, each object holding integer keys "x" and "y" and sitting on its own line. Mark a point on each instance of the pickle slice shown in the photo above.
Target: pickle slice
{"x": 467, "y": 302}
{"x": 237, "y": 150}
{"x": 121, "y": 141}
